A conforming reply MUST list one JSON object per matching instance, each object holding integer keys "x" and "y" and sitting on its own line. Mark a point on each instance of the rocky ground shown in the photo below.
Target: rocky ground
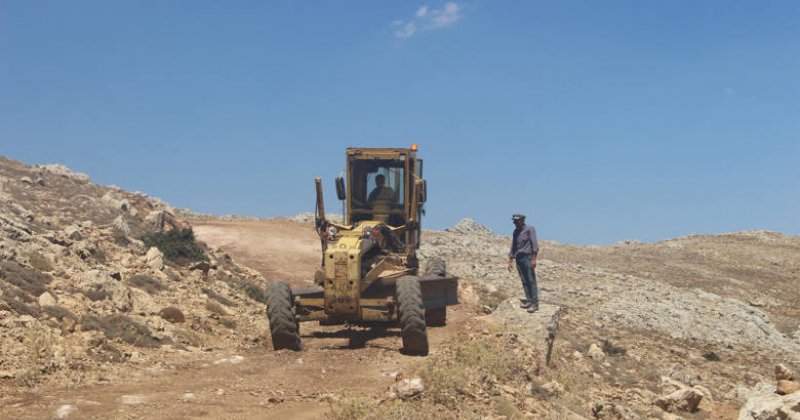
{"x": 82, "y": 297}
{"x": 95, "y": 324}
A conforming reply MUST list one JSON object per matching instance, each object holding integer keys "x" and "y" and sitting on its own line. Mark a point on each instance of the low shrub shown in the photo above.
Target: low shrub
{"x": 611, "y": 349}
{"x": 218, "y": 297}
{"x": 32, "y": 282}
{"x": 177, "y": 245}
{"x": 122, "y": 327}
{"x": 147, "y": 283}
{"x": 711, "y": 356}
{"x": 254, "y": 292}
{"x": 39, "y": 261}
{"x": 228, "y": 323}
{"x": 22, "y": 308}
{"x": 58, "y": 312}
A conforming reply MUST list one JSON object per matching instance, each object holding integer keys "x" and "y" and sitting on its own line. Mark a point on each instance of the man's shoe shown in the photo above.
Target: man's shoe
{"x": 533, "y": 308}
{"x": 525, "y": 305}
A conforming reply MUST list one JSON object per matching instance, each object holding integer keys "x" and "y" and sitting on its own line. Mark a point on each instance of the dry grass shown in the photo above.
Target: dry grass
{"x": 38, "y": 360}
{"x": 473, "y": 363}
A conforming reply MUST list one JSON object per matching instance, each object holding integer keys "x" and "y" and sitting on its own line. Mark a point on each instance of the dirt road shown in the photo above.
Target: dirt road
{"x": 254, "y": 383}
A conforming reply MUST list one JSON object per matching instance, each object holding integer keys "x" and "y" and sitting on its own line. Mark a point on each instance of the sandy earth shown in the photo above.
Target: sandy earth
{"x": 265, "y": 384}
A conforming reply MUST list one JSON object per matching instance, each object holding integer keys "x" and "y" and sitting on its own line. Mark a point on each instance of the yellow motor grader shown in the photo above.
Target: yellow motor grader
{"x": 370, "y": 270}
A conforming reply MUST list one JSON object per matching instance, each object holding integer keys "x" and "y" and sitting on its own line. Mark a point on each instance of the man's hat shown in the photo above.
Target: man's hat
{"x": 518, "y": 217}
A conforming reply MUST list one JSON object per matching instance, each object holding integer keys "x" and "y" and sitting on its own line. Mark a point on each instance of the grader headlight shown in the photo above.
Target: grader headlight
{"x": 330, "y": 233}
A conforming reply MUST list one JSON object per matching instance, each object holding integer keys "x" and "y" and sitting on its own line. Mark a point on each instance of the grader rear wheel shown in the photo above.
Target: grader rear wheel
{"x": 283, "y": 327}
{"x": 412, "y": 316}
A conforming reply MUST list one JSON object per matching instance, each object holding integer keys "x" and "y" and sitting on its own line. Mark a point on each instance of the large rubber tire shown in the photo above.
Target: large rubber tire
{"x": 283, "y": 326}
{"x": 435, "y": 267}
{"x": 412, "y": 316}
{"x": 436, "y": 317}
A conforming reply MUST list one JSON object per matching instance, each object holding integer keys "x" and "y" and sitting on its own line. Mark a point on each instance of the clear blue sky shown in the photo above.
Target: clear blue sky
{"x": 602, "y": 121}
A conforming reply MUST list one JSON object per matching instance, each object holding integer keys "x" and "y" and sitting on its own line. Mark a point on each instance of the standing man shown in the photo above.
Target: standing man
{"x": 524, "y": 249}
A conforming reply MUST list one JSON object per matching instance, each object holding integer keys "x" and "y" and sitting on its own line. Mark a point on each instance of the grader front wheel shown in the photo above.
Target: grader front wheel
{"x": 412, "y": 316}
{"x": 283, "y": 327}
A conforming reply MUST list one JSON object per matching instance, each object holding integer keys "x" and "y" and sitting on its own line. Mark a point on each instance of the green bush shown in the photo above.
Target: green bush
{"x": 711, "y": 356}
{"x": 178, "y": 245}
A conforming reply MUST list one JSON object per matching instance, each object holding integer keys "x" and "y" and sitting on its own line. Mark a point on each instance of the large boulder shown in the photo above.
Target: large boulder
{"x": 102, "y": 282}
{"x": 154, "y": 258}
{"x": 768, "y": 407}
{"x": 686, "y": 399}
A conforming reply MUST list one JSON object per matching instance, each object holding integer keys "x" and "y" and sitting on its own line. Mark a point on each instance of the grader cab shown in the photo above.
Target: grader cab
{"x": 370, "y": 270}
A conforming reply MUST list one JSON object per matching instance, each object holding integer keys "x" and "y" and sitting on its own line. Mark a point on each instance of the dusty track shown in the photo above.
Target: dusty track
{"x": 265, "y": 384}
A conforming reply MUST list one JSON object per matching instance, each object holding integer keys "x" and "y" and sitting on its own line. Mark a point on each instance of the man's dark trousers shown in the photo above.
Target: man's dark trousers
{"x": 528, "y": 276}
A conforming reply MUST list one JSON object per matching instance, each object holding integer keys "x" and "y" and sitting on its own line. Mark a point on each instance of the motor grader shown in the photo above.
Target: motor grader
{"x": 369, "y": 271}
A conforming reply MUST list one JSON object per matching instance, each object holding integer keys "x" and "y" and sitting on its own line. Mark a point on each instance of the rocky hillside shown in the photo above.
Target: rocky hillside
{"x": 102, "y": 286}
{"x": 82, "y": 296}
{"x": 638, "y": 322}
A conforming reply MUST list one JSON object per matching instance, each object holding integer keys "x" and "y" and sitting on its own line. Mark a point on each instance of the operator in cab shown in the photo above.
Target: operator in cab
{"x": 381, "y": 192}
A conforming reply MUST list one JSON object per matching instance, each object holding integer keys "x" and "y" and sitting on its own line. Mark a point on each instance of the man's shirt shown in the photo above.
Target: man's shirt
{"x": 524, "y": 241}
{"x": 382, "y": 193}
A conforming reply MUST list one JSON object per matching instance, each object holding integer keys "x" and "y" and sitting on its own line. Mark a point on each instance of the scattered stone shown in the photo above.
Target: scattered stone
{"x": 59, "y": 169}
{"x": 234, "y": 360}
{"x": 595, "y": 352}
{"x": 187, "y": 397}
{"x": 783, "y": 373}
{"x": 771, "y": 407}
{"x": 132, "y": 399}
{"x": 64, "y": 411}
{"x": 4, "y": 374}
{"x": 203, "y": 266}
{"x": 786, "y": 387}
{"x": 172, "y": 314}
{"x": 46, "y": 299}
{"x": 687, "y": 399}
{"x": 553, "y": 388}
{"x": 406, "y": 389}
{"x": 121, "y": 226}
{"x": 26, "y": 180}
{"x": 608, "y": 410}
{"x": 469, "y": 226}
{"x": 487, "y": 309}
{"x": 73, "y": 232}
